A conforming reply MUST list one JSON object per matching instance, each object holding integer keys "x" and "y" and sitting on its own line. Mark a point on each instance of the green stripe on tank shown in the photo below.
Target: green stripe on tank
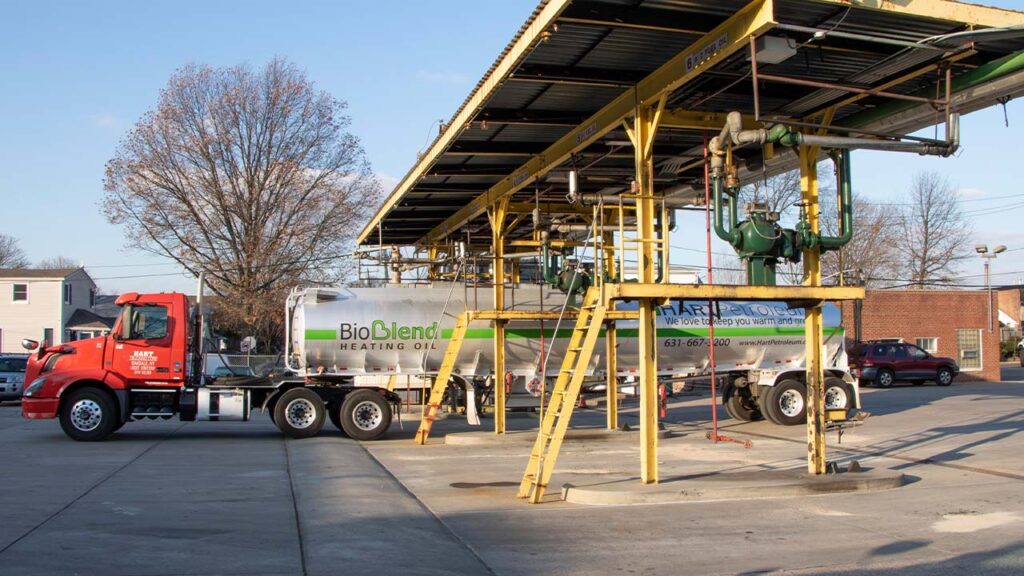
{"x": 321, "y": 334}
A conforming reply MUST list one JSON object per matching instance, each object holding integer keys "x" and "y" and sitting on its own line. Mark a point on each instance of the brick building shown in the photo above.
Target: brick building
{"x": 953, "y": 323}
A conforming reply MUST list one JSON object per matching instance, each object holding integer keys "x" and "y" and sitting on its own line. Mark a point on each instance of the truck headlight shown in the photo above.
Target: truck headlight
{"x": 35, "y": 386}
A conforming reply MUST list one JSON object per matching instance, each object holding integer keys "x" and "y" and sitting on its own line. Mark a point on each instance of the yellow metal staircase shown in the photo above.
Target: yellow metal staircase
{"x": 563, "y": 397}
{"x": 444, "y": 374}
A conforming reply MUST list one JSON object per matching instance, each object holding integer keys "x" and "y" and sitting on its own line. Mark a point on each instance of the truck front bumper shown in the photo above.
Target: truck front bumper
{"x": 39, "y": 408}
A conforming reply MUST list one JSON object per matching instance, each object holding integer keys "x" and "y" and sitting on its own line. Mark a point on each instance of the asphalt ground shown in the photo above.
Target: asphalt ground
{"x": 169, "y": 498}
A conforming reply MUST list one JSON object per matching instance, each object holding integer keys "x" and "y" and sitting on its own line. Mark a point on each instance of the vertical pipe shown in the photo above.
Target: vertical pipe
{"x": 753, "y": 73}
{"x": 612, "y": 378}
{"x": 711, "y": 281}
{"x": 988, "y": 287}
{"x": 814, "y": 341}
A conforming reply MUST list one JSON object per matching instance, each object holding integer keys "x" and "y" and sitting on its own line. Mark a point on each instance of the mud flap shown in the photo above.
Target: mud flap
{"x": 471, "y": 414}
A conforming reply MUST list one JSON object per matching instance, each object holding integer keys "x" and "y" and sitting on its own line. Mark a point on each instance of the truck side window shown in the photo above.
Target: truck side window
{"x": 148, "y": 323}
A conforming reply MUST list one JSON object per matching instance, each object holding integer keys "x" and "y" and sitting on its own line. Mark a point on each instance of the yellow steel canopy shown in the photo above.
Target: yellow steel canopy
{"x": 555, "y": 99}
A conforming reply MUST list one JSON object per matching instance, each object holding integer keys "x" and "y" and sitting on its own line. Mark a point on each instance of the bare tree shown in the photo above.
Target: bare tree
{"x": 250, "y": 176}
{"x": 728, "y": 269}
{"x": 872, "y": 258}
{"x": 11, "y": 255}
{"x": 935, "y": 234}
{"x": 58, "y": 262}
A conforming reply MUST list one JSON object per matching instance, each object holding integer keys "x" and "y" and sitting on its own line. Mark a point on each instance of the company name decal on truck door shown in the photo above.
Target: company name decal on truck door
{"x": 143, "y": 361}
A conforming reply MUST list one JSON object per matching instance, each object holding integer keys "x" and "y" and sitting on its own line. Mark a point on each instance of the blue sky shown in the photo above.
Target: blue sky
{"x": 77, "y": 75}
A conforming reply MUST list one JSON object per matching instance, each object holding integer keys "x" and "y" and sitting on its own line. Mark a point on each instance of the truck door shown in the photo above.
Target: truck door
{"x": 142, "y": 344}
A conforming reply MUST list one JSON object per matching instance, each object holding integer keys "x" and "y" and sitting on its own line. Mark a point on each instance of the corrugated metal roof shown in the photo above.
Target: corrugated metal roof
{"x": 592, "y": 51}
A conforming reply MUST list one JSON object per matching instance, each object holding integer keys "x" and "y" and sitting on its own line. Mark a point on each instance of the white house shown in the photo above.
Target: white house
{"x": 46, "y": 305}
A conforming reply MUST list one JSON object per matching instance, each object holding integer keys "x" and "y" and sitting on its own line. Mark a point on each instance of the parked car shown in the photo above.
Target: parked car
{"x": 12, "y": 376}
{"x": 883, "y": 363}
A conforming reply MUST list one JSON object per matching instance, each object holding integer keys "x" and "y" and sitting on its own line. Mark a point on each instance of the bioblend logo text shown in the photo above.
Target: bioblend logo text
{"x": 381, "y": 330}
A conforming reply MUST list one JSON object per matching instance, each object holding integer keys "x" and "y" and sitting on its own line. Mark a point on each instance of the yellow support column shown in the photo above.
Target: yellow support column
{"x": 612, "y": 386}
{"x": 642, "y": 135}
{"x": 812, "y": 320}
{"x": 497, "y": 215}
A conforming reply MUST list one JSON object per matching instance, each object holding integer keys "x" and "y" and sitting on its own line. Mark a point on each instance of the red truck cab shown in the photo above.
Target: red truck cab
{"x": 77, "y": 381}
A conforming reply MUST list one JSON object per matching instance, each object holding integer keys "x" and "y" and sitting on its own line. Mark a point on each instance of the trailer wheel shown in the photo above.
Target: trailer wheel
{"x": 365, "y": 415}
{"x": 838, "y": 394}
{"x": 786, "y": 403}
{"x": 299, "y": 413}
{"x": 742, "y": 407}
{"x": 88, "y": 415}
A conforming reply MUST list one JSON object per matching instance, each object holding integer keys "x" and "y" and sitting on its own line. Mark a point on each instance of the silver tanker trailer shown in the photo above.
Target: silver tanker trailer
{"x": 364, "y": 335}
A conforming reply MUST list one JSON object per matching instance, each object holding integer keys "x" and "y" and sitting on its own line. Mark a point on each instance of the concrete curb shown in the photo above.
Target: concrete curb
{"x": 731, "y": 486}
{"x": 530, "y": 436}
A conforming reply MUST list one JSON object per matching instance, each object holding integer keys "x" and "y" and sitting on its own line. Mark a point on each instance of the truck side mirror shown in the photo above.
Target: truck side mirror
{"x": 29, "y": 344}
{"x": 127, "y": 319}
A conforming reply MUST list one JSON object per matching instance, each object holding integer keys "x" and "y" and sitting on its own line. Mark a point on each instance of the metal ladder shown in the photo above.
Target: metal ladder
{"x": 563, "y": 397}
{"x": 444, "y": 374}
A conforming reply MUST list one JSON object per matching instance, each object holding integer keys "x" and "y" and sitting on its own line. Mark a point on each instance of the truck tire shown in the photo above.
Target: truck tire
{"x": 742, "y": 407}
{"x": 786, "y": 403}
{"x": 944, "y": 377}
{"x": 88, "y": 415}
{"x": 365, "y": 415}
{"x": 838, "y": 394}
{"x": 299, "y": 413}
{"x": 885, "y": 378}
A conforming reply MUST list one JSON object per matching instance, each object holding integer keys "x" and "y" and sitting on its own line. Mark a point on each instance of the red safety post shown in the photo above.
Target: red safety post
{"x": 713, "y": 435}
{"x": 662, "y": 401}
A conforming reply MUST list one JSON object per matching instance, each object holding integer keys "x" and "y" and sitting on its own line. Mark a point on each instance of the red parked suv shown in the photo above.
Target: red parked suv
{"x": 882, "y": 363}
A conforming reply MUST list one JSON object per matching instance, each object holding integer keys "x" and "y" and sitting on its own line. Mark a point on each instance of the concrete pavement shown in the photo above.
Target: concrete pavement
{"x": 168, "y": 498}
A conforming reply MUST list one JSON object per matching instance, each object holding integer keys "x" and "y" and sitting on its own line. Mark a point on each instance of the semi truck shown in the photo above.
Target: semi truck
{"x": 150, "y": 366}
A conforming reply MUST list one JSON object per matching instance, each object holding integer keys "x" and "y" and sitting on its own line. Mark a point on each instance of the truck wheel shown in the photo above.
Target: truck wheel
{"x": 786, "y": 403}
{"x": 742, "y": 407}
{"x": 944, "y": 377}
{"x": 885, "y": 378}
{"x": 365, "y": 415}
{"x": 838, "y": 394}
{"x": 88, "y": 415}
{"x": 299, "y": 413}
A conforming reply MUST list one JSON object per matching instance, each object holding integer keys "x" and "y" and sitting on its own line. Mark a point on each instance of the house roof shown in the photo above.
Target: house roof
{"x": 37, "y": 273}
{"x": 85, "y": 320}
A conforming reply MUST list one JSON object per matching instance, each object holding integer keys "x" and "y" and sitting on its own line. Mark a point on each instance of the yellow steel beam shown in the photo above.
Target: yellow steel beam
{"x": 970, "y": 14}
{"x": 642, "y": 134}
{"x": 521, "y": 47}
{"x": 684, "y": 119}
{"x": 497, "y": 214}
{"x": 725, "y": 40}
{"x": 633, "y": 291}
{"x": 813, "y": 338}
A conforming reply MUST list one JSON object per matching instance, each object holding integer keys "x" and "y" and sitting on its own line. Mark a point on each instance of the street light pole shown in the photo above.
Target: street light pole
{"x": 982, "y": 249}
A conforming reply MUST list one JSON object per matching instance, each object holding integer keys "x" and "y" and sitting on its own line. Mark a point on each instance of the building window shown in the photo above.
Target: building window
{"x": 67, "y": 293}
{"x": 48, "y": 336}
{"x": 930, "y": 345}
{"x": 20, "y": 293}
{"x": 968, "y": 345}
{"x": 92, "y": 297}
